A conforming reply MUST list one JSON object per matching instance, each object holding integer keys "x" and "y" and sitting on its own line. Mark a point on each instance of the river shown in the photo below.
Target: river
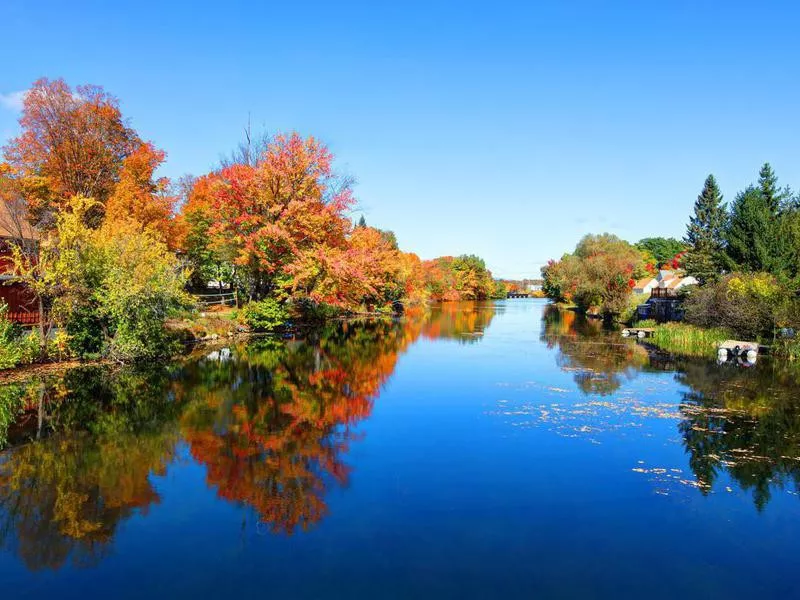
{"x": 480, "y": 450}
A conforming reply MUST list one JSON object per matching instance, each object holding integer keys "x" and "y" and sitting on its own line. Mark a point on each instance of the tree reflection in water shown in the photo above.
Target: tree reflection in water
{"x": 63, "y": 497}
{"x": 744, "y": 422}
{"x": 599, "y": 362}
{"x": 465, "y": 322}
{"x": 271, "y": 421}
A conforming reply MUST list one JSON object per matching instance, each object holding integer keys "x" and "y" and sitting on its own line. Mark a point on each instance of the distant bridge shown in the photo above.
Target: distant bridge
{"x": 518, "y": 295}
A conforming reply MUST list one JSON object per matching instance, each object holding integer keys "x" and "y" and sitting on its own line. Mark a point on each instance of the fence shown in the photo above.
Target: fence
{"x": 216, "y": 299}
{"x": 24, "y": 318}
{"x": 660, "y": 292}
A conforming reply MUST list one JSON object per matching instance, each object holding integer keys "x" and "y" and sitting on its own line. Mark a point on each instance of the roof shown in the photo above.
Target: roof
{"x": 14, "y": 223}
{"x": 643, "y": 283}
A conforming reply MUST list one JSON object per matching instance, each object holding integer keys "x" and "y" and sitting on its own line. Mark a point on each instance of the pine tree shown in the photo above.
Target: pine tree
{"x": 362, "y": 222}
{"x": 751, "y": 234}
{"x": 704, "y": 234}
{"x": 774, "y": 197}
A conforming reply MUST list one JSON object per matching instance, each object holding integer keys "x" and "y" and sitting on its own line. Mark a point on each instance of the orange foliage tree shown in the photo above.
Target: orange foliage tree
{"x": 73, "y": 141}
{"x": 141, "y": 197}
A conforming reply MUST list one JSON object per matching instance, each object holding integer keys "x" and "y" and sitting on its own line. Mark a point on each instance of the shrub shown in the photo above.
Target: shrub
{"x": 629, "y": 314}
{"x": 140, "y": 333}
{"x": 16, "y": 347}
{"x": 746, "y": 304}
{"x": 85, "y": 329}
{"x": 265, "y": 315}
{"x": 788, "y": 348}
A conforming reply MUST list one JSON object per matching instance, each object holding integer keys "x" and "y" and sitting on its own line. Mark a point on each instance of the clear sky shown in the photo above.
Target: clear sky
{"x": 508, "y": 130}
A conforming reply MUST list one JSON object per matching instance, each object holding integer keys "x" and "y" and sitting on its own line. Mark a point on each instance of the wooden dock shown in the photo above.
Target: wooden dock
{"x": 640, "y": 332}
{"x": 739, "y": 348}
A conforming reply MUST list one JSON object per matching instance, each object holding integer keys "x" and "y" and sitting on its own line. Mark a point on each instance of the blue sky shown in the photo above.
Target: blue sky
{"x": 508, "y": 130}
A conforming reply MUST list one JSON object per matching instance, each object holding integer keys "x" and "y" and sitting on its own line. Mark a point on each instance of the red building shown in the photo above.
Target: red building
{"x": 22, "y": 304}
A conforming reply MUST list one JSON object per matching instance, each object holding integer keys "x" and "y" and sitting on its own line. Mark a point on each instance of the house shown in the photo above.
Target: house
{"x": 673, "y": 280}
{"x": 22, "y": 305}
{"x": 643, "y": 286}
{"x": 666, "y": 279}
{"x": 663, "y": 304}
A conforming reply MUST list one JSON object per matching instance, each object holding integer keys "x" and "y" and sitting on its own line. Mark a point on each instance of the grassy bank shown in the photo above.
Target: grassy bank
{"x": 689, "y": 340}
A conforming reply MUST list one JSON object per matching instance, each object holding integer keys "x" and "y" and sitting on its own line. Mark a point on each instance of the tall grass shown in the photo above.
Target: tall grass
{"x": 689, "y": 340}
{"x": 788, "y": 348}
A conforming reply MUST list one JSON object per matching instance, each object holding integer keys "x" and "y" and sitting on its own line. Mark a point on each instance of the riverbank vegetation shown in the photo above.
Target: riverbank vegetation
{"x": 108, "y": 250}
{"x": 597, "y": 276}
{"x": 689, "y": 340}
{"x": 746, "y": 258}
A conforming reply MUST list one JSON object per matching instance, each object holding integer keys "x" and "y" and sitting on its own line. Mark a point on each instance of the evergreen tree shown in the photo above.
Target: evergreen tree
{"x": 789, "y": 236}
{"x": 362, "y": 222}
{"x": 760, "y": 235}
{"x": 774, "y": 197}
{"x": 704, "y": 234}
{"x": 752, "y": 232}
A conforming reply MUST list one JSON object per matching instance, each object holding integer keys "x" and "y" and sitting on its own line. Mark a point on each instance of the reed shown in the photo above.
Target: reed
{"x": 689, "y": 340}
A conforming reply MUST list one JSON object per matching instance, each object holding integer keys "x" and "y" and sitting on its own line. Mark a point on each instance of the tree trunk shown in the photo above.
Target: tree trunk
{"x": 43, "y": 332}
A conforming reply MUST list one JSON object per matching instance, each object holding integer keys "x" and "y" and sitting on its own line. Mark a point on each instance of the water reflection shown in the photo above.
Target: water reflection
{"x": 465, "y": 322}
{"x": 270, "y": 420}
{"x": 63, "y": 497}
{"x": 745, "y": 423}
{"x": 742, "y": 422}
{"x": 599, "y": 361}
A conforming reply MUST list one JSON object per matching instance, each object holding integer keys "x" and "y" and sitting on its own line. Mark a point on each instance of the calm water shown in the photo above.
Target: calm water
{"x": 498, "y": 450}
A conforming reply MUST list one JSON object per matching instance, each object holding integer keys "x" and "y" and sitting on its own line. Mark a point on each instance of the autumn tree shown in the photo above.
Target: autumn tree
{"x": 282, "y": 216}
{"x": 599, "y": 274}
{"x": 141, "y": 197}
{"x": 463, "y": 277}
{"x": 473, "y": 279}
{"x": 73, "y": 143}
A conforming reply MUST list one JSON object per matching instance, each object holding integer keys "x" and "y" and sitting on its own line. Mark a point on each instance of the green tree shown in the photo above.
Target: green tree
{"x": 662, "y": 249}
{"x": 704, "y": 234}
{"x": 752, "y": 234}
{"x": 472, "y": 279}
{"x": 774, "y": 197}
{"x": 598, "y": 275}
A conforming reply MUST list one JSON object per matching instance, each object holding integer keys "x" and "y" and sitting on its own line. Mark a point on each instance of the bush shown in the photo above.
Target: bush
{"x": 265, "y": 315}
{"x": 16, "y": 347}
{"x": 629, "y": 313}
{"x": 309, "y": 311}
{"x": 747, "y": 304}
{"x": 85, "y": 329}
